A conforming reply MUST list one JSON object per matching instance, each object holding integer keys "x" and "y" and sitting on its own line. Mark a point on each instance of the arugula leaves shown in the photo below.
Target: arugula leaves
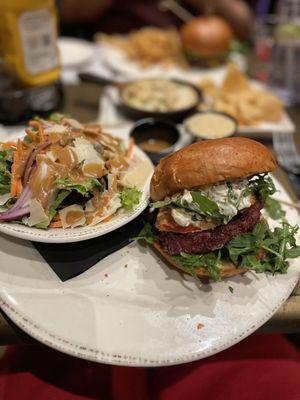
{"x": 265, "y": 186}
{"x": 209, "y": 261}
{"x": 274, "y": 209}
{"x": 130, "y": 197}
{"x": 207, "y": 206}
{"x": 263, "y": 250}
{"x": 5, "y": 170}
{"x": 260, "y": 250}
{"x": 146, "y": 234}
{"x": 84, "y": 188}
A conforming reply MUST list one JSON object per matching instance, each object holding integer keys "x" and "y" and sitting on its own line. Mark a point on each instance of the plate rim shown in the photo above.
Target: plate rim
{"x": 93, "y": 354}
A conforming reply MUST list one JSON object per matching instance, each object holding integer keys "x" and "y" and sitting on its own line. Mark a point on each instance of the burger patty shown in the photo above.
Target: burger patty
{"x": 213, "y": 239}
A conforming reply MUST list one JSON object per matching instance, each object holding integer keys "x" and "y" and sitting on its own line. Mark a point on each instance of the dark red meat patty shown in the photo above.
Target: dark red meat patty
{"x": 213, "y": 239}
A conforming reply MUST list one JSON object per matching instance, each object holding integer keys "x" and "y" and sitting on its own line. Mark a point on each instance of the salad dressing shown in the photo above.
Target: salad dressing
{"x": 93, "y": 169}
{"x": 66, "y": 157}
{"x": 42, "y": 184}
{"x": 74, "y": 217}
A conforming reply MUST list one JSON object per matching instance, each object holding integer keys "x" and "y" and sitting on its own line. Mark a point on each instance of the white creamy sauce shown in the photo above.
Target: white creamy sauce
{"x": 210, "y": 125}
{"x": 182, "y": 217}
{"x": 219, "y": 194}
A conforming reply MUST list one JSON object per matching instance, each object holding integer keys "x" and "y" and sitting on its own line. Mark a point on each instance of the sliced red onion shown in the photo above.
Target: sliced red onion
{"x": 31, "y": 159}
{"x": 20, "y": 208}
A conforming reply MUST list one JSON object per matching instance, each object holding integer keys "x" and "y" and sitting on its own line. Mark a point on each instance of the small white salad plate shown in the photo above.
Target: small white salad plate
{"x": 60, "y": 235}
{"x": 131, "y": 309}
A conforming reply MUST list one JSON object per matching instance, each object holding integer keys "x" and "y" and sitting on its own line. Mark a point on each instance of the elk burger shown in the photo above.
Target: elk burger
{"x": 206, "y": 207}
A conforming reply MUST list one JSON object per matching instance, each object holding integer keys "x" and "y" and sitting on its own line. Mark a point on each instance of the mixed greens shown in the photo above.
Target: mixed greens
{"x": 65, "y": 174}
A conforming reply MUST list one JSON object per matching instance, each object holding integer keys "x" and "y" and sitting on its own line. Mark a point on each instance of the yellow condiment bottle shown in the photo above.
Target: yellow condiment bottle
{"x": 28, "y": 40}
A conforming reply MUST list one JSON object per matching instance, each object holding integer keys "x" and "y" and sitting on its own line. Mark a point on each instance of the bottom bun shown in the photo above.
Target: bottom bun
{"x": 228, "y": 269}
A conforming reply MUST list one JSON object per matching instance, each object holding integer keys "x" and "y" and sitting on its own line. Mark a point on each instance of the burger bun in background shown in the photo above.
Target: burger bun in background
{"x": 206, "y": 40}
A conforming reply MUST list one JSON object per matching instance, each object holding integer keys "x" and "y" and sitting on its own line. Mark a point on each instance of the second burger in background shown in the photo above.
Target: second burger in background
{"x": 206, "y": 40}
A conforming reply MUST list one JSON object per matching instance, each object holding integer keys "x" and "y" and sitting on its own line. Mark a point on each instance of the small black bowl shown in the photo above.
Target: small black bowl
{"x": 156, "y": 129}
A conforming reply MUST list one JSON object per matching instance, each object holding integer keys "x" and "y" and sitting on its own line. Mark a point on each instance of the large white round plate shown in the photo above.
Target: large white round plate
{"x": 59, "y": 235}
{"x": 131, "y": 309}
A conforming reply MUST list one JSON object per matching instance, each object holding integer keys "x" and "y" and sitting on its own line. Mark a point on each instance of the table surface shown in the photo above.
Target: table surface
{"x": 82, "y": 102}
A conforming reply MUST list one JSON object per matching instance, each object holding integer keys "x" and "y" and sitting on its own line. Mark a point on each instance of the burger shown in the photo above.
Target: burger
{"x": 206, "y": 40}
{"x": 205, "y": 215}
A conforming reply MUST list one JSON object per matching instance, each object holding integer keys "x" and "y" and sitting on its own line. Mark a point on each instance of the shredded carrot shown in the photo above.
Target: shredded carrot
{"x": 56, "y": 217}
{"x": 130, "y": 147}
{"x": 31, "y": 134}
{"x": 19, "y": 148}
{"x": 16, "y": 186}
{"x": 39, "y": 126}
{"x": 8, "y": 145}
{"x": 56, "y": 224}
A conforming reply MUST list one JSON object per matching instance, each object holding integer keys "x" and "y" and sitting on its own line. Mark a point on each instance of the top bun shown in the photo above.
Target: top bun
{"x": 206, "y": 36}
{"x": 209, "y": 162}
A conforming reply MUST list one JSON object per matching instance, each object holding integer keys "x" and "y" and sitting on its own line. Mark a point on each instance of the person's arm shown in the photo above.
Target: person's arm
{"x": 78, "y": 11}
{"x": 236, "y": 12}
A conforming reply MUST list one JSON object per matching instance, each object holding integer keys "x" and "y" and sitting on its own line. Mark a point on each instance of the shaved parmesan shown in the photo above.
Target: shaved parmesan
{"x": 73, "y": 123}
{"x": 72, "y": 216}
{"x": 138, "y": 175}
{"x": 56, "y": 129}
{"x": 37, "y": 213}
{"x": 87, "y": 154}
{"x": 113, "y": 205}
{"x": 3, "y": 198}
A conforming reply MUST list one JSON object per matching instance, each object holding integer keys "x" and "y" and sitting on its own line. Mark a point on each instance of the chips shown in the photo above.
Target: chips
{"x": 149, "y": 46}
{"x": 236, "y": 96}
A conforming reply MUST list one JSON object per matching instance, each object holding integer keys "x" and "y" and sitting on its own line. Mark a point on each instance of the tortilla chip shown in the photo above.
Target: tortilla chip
{"x": 235, "y": 81}
{"x": 241, "y": 99}
{"x": 270, "y": 106}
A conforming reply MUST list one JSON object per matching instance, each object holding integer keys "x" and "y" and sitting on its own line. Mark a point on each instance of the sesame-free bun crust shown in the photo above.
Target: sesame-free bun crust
{"x": 207, "y": 36}
{"x": 210, "y": 162}
{"x": 228, "y": 269}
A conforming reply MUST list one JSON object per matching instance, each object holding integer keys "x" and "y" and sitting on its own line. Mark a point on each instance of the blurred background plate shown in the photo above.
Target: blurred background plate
{"x": 74, "y": 52}
{"x": 119, "y": 64}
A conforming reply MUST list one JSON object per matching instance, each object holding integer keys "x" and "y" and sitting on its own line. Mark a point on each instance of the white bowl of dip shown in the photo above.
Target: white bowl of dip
{"x": 210, "y": 124}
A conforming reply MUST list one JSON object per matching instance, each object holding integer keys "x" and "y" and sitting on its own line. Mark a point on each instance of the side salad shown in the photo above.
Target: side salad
{"x": 64, "y": 174}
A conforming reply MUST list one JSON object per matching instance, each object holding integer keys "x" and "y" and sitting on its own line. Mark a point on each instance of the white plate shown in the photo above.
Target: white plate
{"x": 132, "y": 309}
{"x": 116, "y": 60}
{"x": 74, "y": 52}
{"x": 59, "y": 235}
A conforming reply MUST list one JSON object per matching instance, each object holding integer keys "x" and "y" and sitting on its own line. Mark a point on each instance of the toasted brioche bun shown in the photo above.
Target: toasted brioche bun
{"x": 228, "y": 269}
{"x": 210, "y": 162}
{"x": 206, "y": 36}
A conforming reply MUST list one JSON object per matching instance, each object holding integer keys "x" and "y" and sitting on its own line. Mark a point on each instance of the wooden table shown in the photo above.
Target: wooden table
{"x": 82, "y": 103}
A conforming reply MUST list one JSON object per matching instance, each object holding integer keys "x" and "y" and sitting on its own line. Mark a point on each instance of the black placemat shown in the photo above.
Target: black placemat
{"x": 71, "y": 259}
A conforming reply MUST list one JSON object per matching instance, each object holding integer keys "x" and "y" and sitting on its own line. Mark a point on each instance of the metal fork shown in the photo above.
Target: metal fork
{"x": 286, "y": 151}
